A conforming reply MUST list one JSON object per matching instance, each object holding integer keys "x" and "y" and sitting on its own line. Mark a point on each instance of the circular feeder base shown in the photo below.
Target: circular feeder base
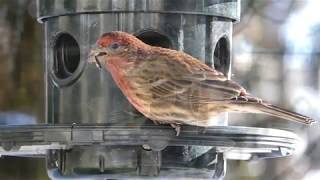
{"x": 242, "y": 143}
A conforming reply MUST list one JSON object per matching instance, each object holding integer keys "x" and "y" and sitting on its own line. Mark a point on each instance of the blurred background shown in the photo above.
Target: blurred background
{"x": 276, "y": 55}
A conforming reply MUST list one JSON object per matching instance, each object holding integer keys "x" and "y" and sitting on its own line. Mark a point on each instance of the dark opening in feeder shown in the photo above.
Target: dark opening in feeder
{"x": 66, "y": 55}
{"x": 222, "y": 55}
{"x": 154, "y": 38}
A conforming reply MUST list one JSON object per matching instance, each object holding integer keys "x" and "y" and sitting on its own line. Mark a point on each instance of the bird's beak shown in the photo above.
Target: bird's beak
{"x": 94, "y": 55}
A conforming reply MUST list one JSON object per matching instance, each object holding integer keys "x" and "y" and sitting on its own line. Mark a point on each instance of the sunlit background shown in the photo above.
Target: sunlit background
{"x": 276, "y": 55}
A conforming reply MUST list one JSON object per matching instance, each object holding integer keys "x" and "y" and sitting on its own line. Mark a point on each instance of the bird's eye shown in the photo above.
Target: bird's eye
{"x": 115, "y": 46}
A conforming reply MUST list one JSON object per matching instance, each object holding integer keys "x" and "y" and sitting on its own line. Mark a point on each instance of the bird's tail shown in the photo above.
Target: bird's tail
{"x": 254, "y": 105}
{"x": 283, "y": 113}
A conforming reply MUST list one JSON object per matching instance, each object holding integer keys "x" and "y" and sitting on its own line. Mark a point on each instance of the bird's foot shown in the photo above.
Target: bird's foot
{"x": 240, "y": 98}
{"x": 235, "y": 98}
{"x": 259, "y": 100}
{"x": 177, "y": 128}
{"x": 243, "y": 98}
{"x": 256, "y": 99}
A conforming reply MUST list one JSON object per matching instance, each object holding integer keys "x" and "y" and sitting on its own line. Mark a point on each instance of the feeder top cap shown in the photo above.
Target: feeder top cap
{"x": 225, "y": 9}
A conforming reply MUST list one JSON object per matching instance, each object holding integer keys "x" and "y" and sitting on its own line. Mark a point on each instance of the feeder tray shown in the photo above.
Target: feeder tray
{"x": 150, "y": 150}
{"x": 252, "y": 143}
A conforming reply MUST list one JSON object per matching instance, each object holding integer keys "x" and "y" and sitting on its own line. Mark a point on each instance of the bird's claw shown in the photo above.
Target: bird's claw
{"x": 244, "y": 98}
{"x": 155, "y": 122}
{"x": 240, "y": 98}
{"x": 177, "y": 128}
{"x": 258, "y": 100}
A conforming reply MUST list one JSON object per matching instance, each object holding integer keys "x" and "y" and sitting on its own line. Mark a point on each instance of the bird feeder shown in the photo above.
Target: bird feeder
{"x": 91, "y": 129}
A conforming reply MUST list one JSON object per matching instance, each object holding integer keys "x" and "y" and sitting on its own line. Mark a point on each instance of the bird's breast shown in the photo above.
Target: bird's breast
{"x": 117, "y": 68}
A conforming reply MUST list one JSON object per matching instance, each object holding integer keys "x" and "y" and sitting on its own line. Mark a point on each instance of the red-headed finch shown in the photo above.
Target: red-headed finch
{"x": 172, "y": 87}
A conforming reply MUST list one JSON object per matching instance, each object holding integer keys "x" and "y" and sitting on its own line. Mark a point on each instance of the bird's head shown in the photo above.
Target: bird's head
{"x": 114, "y": 44}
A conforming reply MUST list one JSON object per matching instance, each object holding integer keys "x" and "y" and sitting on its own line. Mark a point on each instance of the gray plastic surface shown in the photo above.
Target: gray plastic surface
{"x": 236, "y": 142}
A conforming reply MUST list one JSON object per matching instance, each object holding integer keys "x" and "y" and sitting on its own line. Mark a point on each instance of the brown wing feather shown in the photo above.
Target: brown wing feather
{"x": 190, "y": 80}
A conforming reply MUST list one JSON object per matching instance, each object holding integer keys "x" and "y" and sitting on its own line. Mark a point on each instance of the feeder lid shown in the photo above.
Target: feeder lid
{"x": 224, "y": 9}
{"x": 242, "y": 143}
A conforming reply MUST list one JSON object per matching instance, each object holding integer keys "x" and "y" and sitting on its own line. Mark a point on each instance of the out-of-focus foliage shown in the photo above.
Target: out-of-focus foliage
{"x": 21, "y": 81}
{"x": 21, "y": 72}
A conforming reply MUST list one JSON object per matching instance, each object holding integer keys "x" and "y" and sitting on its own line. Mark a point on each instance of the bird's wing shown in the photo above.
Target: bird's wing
{"x": 170, "y": 87}
{"x": 197, "y": 83}
{"x": 196, "y": 91}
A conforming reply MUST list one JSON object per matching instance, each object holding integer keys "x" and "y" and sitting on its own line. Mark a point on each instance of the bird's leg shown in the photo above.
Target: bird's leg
{"x": 155, "y": 122}
{"x": 176, "y": 127}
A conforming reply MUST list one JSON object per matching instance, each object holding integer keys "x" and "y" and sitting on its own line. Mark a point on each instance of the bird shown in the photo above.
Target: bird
{"x": 172, "y": 87}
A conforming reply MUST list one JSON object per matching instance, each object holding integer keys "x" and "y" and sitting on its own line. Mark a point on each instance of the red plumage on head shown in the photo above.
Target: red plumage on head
{"x": 120, "y": 37}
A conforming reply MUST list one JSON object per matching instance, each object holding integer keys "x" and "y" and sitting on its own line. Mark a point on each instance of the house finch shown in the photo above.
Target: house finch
{"x": 172, "y": 87}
